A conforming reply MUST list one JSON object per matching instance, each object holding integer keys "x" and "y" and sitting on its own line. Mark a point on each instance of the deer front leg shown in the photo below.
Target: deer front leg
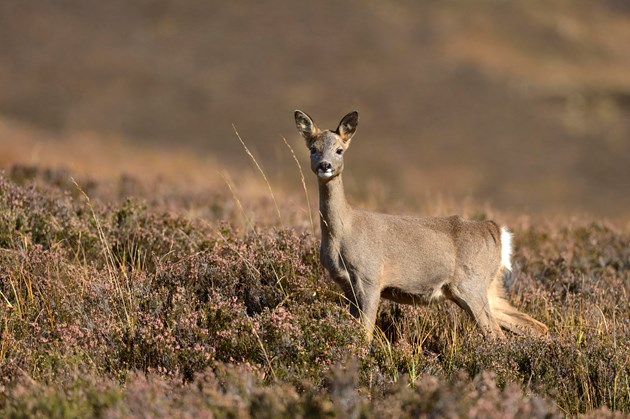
{"x": 370, "y": 308}
{"x": 364, "y": 298}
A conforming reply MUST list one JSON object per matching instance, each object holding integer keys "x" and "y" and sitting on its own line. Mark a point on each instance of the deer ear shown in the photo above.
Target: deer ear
{"x": 305, "y": 125}
{"x": 348, "y": 126}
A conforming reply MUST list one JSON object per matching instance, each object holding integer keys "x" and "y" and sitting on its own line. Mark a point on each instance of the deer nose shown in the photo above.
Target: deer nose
{"x": 324, "y": 166}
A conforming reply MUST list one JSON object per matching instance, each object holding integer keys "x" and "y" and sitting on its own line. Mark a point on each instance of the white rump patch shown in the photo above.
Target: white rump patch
{"x": 506, "y": 248}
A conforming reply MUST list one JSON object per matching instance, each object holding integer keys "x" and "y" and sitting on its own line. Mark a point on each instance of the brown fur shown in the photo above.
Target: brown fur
{"x": 405, "y": 259}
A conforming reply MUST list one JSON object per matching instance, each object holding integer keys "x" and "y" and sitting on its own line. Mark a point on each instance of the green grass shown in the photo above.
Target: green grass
{"x": 130, "y": 307}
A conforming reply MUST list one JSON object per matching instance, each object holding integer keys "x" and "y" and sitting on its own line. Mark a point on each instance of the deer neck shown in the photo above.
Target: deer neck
{"x": 333, "y": 207}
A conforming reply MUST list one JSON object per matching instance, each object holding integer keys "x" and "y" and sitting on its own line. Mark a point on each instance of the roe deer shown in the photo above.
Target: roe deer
{"x": 405, "y": 259}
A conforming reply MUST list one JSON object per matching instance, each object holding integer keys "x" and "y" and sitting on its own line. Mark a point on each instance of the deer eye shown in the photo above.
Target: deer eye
{"x": 340, "y": 151}
{"x": 313, "y": 150}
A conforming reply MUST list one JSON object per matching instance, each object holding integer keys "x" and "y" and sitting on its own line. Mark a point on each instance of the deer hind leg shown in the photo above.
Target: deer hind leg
{"x": 507, "y": 315}
{"x": 475, "y": 303}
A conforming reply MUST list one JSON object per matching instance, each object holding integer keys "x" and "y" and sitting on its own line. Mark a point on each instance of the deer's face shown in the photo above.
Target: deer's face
{"x": 327, "y": 147}
{"x": 327, "y": 150}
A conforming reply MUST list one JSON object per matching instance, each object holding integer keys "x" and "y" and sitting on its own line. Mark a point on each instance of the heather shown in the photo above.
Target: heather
{"x": 125, "y": 299}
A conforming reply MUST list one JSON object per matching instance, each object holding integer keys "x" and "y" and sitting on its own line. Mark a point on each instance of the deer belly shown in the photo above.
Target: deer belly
{"x": 421, "y": 297}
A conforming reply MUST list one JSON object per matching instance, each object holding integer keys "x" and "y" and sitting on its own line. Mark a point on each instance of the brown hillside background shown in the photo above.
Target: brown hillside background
{"x": 520, "y": 105}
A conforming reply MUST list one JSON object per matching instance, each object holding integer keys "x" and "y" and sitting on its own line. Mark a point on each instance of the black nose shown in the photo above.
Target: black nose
{"x": 324, "y": 166}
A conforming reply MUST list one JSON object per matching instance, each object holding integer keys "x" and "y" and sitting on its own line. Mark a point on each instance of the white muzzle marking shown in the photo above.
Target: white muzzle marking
{"x": 325, "y": 174}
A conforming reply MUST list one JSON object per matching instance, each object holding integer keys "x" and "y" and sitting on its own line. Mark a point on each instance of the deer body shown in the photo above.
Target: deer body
{"x": 407, "y": 259}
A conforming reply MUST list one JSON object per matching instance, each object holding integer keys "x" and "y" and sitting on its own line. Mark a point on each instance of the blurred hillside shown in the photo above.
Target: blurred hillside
{"x": 524, "y": 105}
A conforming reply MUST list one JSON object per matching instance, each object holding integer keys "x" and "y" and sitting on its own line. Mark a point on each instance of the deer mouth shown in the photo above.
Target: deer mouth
{"x": 325, "y": 173}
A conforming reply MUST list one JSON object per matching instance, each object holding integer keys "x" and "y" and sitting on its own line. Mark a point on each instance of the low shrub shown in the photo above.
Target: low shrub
{"x": 113, "y": 307}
